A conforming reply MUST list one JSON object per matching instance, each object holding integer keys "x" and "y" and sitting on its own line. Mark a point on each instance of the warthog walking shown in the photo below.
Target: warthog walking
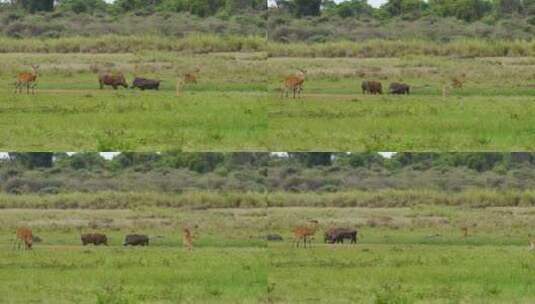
{"x": 371, "y": 87}
{"x": 94, "y": 238}
{"x": 146, "y": 84}
{"x": 399, "y": 88}
{"x": 136, "y": 240}
{"x": 338, "y": 235}
{"x": 114, "y": 80}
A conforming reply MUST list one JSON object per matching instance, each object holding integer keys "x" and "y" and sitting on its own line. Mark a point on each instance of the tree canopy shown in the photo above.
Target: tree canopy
{"x": 467, "y": 10}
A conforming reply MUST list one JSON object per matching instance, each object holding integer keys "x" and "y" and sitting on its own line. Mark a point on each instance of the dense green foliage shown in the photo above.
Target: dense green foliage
{"x": 440, "y": 20}
{"x": 198, "y": 7}
{"x": 468, "y": 10}
{"x": 179, "y": 172}
{"x": 290, "y": 20}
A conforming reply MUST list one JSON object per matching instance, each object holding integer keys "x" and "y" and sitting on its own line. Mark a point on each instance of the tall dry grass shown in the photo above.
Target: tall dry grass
{"x": 399, "y": 48}
{"x": 202, "y": 43}
{"x": 206, "y": 43}
{"x": 207, "y": 199}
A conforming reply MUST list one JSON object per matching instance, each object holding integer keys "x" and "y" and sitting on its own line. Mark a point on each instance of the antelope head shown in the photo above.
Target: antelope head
{"x": 34, "y": 68}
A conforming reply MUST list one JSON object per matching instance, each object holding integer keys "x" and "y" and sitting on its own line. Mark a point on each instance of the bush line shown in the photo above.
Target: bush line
{"x": 205, "y": 43}
{"x": 205, "y": 200}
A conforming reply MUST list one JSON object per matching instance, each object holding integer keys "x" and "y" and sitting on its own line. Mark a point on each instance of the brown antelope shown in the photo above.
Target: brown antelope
{"x": 187, "y": 238}
{"x": 293, "y": 83}
{"x": 464, "y": 229}
{"x": 305, "y": 232}
{"x": 458, "y": 82}
{"x": 28, "y": 79}
{"x": 191, "y": 77}
{"x": 24, "y": 235}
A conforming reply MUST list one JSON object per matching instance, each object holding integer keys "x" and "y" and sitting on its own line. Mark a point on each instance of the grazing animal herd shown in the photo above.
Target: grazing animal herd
{"x": 293, "y": 83}
{"x": 115, "y": 80}
{"x": 302, "y": 233}
{"x": 24, "y": 237}
{"x": 305, "y": 234}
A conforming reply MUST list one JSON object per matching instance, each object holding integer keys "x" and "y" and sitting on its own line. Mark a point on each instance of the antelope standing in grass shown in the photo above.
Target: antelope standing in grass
{"x": 458, "y": 81}
{"x": 293, "y": 83}
{"x": 28, "y": 80}
{"x": 466, "y": 228}
{"x": 191, "y": 77}
{"x": 24, "y": 235}
{"x": 187, "y": 238}
{"x": 305, "y": 232}
{"x": 531, "y": 242}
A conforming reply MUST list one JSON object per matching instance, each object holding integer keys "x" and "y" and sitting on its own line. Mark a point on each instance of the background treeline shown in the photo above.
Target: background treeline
{"x": 48, "y": 173}
{"x": 287, "y": 21}
{"x": 439, "y": 20}
{"x": 48, "y": 18}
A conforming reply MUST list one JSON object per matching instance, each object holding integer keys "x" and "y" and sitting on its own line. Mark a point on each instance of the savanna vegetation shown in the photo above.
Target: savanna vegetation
{"x": 254, "y": 180}
{"x": 228, "y": 264}
{"x": 236, "y": 103}
{"x": 440, "y": 21}
{"x": 421, "y": 254}
{"x": 169, "y": 18}
{"x": 431, "y": 227}
{"x": 411, "y": 211}
{"x": 470, "y": 92}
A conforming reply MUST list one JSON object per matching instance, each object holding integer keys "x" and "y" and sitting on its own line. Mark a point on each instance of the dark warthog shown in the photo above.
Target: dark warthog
{"x": 399, "y": 88}
{"x": 94, "y": 238}
{"x": 146, "y": 84}
{"x": 114, "y": 80}
{"x": 372, "y": 87}
{"x": 337, "y": 235}
{"x": 273, "y": 237}
{"x": 136, "y": 240}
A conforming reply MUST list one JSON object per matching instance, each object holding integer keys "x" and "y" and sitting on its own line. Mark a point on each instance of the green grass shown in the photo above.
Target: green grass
{"x": 227, "y": 265}
{"x": 139, "y": 198}
{"x": 133, "y": 275}
{"x": 236, "y": 104}
{"x": 404, "y": 255}
{"x": 403, "y": 274}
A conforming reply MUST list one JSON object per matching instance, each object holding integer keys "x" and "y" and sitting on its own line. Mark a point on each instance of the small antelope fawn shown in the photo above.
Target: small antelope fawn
{"x": 458, "y": 82}
{"x": 187, "y": 238}
{"x": 191, "y": 77}
{"x": 24, "y": 235}
{"x": 466, "y": 228}
{"x": 293, "y": 83}
{"x": 305, "y": 232}
{"x": 465, "y": 231}
{"x": 28, "y": 80}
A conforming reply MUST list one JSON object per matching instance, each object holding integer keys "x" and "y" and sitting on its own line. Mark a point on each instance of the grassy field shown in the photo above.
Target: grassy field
{"x": 404, "y": 255}
{"x": 236, "y": 104}
{"x": 228, "y": 264}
